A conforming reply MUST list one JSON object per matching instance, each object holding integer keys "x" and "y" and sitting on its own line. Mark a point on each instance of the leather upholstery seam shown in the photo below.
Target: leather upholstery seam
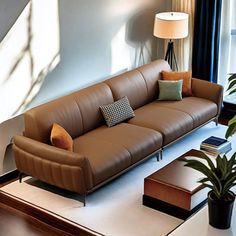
{"x": 144, "y": 82}
{"x": 178, "y": 110}
{"x": 82, "y": 119}
{"x": 107, "y": 85}
{"x": 131, "y": 156}
{"x": 112, "y": 93}
{"x": 50, "y": 163}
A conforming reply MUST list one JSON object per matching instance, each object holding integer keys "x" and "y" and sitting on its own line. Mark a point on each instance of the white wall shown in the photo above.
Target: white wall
{"x": 27, "y": 53}
{"x": 98, "y": 38}
{"x": 9, "y": 11}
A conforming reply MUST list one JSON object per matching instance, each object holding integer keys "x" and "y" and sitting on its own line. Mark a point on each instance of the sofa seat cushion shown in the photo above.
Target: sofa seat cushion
{"x": 106, "y": 159}
{"x": 110, "y": 150}
{"x": 200, "y": 109}
{"x": 170, "y": 122}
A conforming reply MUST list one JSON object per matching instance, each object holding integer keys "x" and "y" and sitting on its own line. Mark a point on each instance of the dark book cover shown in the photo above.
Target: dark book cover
{"x": 214, "y": 141}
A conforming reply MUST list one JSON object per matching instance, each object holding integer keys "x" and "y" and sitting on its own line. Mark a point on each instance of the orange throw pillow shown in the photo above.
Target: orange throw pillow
{"x": 60, "y": 138}
{"x": 186, "y": 76}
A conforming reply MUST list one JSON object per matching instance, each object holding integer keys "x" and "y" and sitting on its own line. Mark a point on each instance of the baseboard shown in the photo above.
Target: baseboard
{"x": 9, "y": 176}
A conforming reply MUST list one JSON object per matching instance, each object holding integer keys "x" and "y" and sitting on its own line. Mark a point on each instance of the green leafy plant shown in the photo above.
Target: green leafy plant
{"x": 219, "y": 176}
{"x": 231, "y": 90}
{"x": 232, "y": 83}
{"x": 231, "y": 127}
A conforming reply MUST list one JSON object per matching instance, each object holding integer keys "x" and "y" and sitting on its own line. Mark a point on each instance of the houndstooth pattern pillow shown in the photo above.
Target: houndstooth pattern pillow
{"x": 117, "y": 112}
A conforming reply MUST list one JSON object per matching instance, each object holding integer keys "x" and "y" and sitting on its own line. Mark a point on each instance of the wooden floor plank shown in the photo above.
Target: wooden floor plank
{"x": 41, "y": 221}
{"x": 14, "y": 222}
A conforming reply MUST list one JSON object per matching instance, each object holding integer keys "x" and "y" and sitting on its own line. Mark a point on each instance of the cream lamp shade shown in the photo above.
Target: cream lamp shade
{"x": 171, "y": 25}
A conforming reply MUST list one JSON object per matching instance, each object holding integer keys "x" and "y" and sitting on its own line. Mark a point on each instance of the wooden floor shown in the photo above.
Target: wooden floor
{"x": 15, "y": 223}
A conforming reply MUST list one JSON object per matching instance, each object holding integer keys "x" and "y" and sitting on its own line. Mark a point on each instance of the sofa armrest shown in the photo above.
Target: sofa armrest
{"x": 207, "y": 90}
{"x": 62, "y": 168}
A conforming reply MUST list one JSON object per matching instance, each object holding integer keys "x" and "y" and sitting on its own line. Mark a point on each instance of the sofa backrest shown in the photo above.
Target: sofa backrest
{"x": 151, "y": 74}
{"x": 89, "y": 100}
{"x": 77, "y": 113}
{"x": 130, "y": 84}
{"x": 139, "y": 85}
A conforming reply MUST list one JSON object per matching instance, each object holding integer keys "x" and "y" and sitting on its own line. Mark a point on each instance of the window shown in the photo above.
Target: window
{"x": 232, "y": 62}
{"x": 227, "y": 62}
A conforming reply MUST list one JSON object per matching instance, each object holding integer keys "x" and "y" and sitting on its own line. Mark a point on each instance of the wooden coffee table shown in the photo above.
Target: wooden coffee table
{"x": 174, "y": 188}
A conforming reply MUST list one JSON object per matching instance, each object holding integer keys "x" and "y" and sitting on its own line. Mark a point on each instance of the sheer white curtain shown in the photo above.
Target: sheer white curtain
{"x": 183, "y": 47}
{"x": 225, "y": 41}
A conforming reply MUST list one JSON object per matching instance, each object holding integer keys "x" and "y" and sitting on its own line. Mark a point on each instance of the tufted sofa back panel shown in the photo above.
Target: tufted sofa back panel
{"x": 151, "y": 74}
{"x": 132, "y": 85}
{"x": 64, "y": 111}
{"x": 89, "y": 100}
{"x": 77, "y": 113}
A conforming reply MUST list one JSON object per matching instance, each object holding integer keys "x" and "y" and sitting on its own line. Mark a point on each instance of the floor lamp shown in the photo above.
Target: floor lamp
{"x": 171, "y": 25}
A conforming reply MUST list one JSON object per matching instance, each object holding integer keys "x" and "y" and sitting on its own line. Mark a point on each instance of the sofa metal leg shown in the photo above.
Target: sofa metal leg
{"x": 161, "y": 154}
{"x": 20, "y": 177}
{"x": 84, "y": 199}
{"x": 216, "y": 121}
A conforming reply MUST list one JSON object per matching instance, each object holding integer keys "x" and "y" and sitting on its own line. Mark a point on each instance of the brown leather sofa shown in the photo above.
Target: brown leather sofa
{"x": 101, "y": 153}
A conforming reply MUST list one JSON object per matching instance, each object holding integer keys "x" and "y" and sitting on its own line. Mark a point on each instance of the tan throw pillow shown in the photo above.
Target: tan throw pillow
{"x": 186, "y": 76}
{"x": 60, "y": 138}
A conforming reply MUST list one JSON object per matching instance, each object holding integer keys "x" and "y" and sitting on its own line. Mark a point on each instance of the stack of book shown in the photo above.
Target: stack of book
{"x": 216, "y": 145}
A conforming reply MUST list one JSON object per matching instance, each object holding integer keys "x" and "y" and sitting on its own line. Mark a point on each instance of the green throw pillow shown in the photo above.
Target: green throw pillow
{"x": 170, "y": 90}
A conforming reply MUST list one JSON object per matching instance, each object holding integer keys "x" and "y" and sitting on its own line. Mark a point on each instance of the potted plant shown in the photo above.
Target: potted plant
{"x": 231, "y": 90}
{"x": 219, "y": 176}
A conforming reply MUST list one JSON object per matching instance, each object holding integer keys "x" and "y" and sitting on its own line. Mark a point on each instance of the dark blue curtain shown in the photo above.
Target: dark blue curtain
{"x": 206, "y": 39}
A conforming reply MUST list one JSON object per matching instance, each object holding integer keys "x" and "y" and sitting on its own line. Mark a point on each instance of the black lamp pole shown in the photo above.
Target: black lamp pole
{"x": 170, "y": 56}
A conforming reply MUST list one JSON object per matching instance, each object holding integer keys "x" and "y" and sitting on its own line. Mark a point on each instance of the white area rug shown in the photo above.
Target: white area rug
{"x": 116, "y": 209}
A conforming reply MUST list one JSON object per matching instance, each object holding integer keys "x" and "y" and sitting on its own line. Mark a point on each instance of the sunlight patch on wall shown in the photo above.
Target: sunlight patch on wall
{"x": 28, "y": 53}
{"x": 121, "y": 52}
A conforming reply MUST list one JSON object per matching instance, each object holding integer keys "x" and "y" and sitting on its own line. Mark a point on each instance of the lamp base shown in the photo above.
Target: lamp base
{"x": 170, "y": 56}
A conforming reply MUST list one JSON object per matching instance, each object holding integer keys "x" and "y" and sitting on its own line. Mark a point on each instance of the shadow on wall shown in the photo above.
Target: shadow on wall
{"x": 25, "y": 57}
{"x": 139, "y": 36}
{"x": 140, "y": 44}
{"x": 9, "y": 12}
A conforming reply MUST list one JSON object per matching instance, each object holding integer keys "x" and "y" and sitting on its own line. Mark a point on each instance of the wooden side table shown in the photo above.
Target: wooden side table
{"x": 174, "y": 188}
